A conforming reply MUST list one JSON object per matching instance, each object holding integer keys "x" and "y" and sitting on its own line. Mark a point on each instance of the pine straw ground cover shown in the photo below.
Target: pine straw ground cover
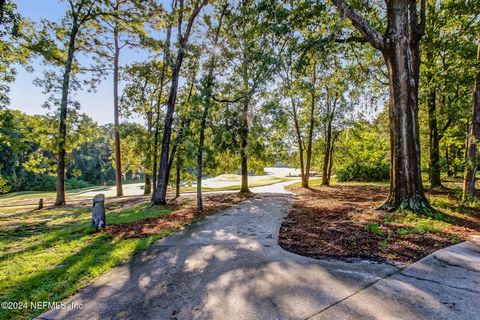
{"x": 184, "y": 212}
{"x": 49, "y": 254}
{"x": 341, "y": 222}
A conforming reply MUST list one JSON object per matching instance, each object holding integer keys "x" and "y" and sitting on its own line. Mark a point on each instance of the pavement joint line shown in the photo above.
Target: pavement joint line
{"x": 400, "y": 269}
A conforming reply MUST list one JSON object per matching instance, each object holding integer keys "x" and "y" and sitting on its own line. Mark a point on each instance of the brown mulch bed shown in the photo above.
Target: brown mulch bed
{"x": 330, "y": 222}
{"x": 183, "y": 212}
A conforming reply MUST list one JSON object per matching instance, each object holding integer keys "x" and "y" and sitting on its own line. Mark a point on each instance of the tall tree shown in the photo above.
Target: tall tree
{"x": 400, "y": 47}
{"x": 252, "y": 56}
{"x": 74, "y": 33}
{"x": 140, "y": 96}
{"x": 121, "y": 28}
{"x": 206, "y": 95}
{"x": 473, "y": 138}
{"x": 182, "y": 41}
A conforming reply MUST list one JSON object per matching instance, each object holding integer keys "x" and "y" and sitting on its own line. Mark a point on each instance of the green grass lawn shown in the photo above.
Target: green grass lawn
{"x": 31, "y": 197}
{"x": 48, "y": 255}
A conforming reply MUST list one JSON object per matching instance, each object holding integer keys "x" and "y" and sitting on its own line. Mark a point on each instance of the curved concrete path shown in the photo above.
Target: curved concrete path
{"x": 229, "y": 266}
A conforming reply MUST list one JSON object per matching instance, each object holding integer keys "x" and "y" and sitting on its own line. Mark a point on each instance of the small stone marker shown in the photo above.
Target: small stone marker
{"x": 40, "y": 204}
{"x": 98, "y": 213}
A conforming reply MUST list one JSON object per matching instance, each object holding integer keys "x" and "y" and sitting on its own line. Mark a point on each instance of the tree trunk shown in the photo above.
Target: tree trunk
{"x": 300, "y": 144}
{"x": 326, "y": 158}
{"x": 207, "y": 101}
{"x": 474, "y": 136}
{"x": 243, "y": 149}
{"x": 116, "y": 114}
{"x": 310, "y": 134}
{"x": 448, "y": 161}
{"x": 434, "y": 141}
{"x": 330, "y": 165}
{"x": 160, "y": 196}
{"x": 161, "y": 190}
{"x": 400, "y": 46}
{"x": 178, "y": 176}
{"x": 201, "y": 143}
{"x": 148, "y": 158}
{"x": 166, "y": 53}
{"x": 62, "y": 130}
{"x": 403, "y": 59}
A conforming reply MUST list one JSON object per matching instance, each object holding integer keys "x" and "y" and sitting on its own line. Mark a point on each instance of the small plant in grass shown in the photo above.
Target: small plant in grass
{"x": 373, "y": 228}
{"x": 383, "y": 244}
{"x": 389, "y": 218}
{"x": 455, "y": 239}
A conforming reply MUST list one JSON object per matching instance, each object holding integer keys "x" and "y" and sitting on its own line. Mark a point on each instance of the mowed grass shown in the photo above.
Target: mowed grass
{"x": 48, "y": 255}
{"x": 30, "y": 198}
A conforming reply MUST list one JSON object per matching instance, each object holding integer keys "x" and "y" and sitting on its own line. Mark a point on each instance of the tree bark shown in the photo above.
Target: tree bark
{"x": 161, "y": 190}
{"x": 310, "y": 132}
{"x": 327, "y": 160}
{"x": 160, "y": 196}
{"x": 400, "y": 46}
{"x": 201, "y": 144}
{"x": 330, "y": 165}
{"x": 243, "y": 149}
{"x": 178, "y": 167}
{"x": 62, "y": 130}
{"x": 474, "y": 136}
{"x": 207, "y": 102}
{"x": 116, "y": 114}
{"x": 327, "y": 156}
{"x": 166, "y": 53}
{"x": 434, "y": 141}
{"x": 148, "y": 159}
{"x": 403, "y": 59}
{"x": 448, "y": 161}
{"x": 300, "y": 144}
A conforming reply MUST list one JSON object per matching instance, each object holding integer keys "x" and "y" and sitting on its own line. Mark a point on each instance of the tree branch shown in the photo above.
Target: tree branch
{"x": 375, "y": 38}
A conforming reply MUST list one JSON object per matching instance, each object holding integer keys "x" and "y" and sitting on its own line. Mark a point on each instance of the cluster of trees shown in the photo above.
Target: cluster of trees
{"x": 28, "y": 149}
{"x": 227, "y": 86}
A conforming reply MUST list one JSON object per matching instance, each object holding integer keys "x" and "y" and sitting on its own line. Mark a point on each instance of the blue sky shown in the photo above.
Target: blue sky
{"x": 27, "y": 97}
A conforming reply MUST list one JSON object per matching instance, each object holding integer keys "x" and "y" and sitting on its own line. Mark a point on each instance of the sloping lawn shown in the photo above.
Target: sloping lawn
{"x": 48, "y": 255}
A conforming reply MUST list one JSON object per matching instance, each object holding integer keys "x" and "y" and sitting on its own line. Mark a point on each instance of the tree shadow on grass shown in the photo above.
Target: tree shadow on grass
{"x": 69, "y": 275}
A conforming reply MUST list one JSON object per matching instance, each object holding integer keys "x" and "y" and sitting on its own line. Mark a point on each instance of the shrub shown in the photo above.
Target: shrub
{"x": 75, "y": 183}
{"x": 365, "y": 172}
{"x": 42, "y": 182}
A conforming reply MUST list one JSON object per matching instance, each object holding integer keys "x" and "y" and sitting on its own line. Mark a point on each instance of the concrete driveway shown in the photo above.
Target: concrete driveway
{"x": 229, "y": 266}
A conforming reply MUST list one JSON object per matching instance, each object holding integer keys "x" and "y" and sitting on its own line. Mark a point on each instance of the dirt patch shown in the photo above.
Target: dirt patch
{"x": 341, "y": 222}
{"x": 184, "y": 212}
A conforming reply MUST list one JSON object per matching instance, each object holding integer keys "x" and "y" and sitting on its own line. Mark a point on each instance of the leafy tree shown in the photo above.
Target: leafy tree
{"x": 400, "y": 47}
{"x": 14, "y": 31}
{"x": 140, "y": 97}
{"x": 183, "y": 35}
{"x": 71, "y": 35}
{"x": 122, "y": 28}
{"x": 363, "y": 151}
